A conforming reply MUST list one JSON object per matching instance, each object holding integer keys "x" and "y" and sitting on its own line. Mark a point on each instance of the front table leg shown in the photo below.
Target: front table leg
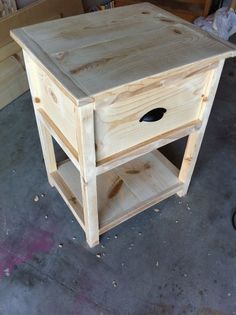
{"x": 89, "y": 194}
{"x": 87, "y": 161}
{"x": 195, "y": 139}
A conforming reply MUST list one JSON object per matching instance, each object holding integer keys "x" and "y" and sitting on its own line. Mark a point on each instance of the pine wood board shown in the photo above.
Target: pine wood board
{"x": 119, "y": 119}
{"x": 54, "y": 102}
{"x": 117, "y": 65}
{"x": 13, "y": 80}
{"x": 9, "y": 50}
{"x": 233, "y": 5}
{"x": 131, "y": 45}
{"x": 72, "y": 201}
{"x": 43, "y": 10}
{"x": 37, "y": 12}
{"x": 128, "y": 189}
{"x": 146, "y": 147}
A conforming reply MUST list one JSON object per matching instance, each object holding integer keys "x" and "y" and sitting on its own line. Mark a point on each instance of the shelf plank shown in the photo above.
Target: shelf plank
{"x": 147, "y": 175}
{"x": 150, "y": 178}
{"x": 124, "y": 191}
{"x": 115, "y": 198}
{"x": 126, "y": 214}
{"x": 67, "y": 183}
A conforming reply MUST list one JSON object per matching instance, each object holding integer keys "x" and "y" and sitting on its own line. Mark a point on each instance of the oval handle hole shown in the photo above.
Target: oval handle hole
{"x": 153, "y": 115}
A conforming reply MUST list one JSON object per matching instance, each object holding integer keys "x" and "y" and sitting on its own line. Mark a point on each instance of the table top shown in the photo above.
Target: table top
{"x": 96, "y": 52}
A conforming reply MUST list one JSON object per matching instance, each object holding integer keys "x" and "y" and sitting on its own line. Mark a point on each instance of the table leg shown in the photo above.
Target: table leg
{"x": 87, "y": 161}
{"x": 47, "y": 148}
{"x": 89, "y": 194}
{"x": 195, "y": 139}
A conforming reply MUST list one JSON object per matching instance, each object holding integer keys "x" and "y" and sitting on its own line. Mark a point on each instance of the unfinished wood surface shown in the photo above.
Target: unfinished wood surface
{"x": 9, "y": 50}
{"x": 147, "y": 175}
{"x": 207, "y": 7}
{"x": 47, "y": 148}
{"x": 233, "y": 4}
{"x": 12, "y": 48}
{"x": 118, "y": 118}
{"x": 7, "y": 7}
{"x": 93, "y": 78}
{"x": 13, "y": 80}
{"x": 195, "y": 139}
{"x": 56, "y": 104}
{"x": 129, "y": 189}
{"x": 42, "y": 10}
{"x": 37, "y": 12}
{"x": 129, "y": 46}
{"x": 44, "y": 134}
{"x": 58, "y": 136}
{"x": 87, "y": 161}
{"x": 144, "y": 148}
{"x": 69, "y": 187}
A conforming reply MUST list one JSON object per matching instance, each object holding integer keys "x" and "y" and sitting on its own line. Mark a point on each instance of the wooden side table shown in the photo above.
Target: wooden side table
{"x": 111, "y": 87}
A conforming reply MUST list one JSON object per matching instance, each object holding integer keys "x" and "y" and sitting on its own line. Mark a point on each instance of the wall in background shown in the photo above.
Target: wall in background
{"x": 22, "y": 3}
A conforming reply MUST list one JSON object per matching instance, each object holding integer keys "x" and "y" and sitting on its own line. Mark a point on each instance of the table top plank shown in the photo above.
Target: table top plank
{"x": 104, "y": 50}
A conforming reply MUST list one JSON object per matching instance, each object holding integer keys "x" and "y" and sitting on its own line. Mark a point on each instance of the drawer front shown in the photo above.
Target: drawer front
{"x": 54, "y": 101}
{"x": 117, "y": 117}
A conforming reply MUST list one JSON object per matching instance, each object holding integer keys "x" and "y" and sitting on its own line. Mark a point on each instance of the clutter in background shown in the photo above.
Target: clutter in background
{"x": 7, "y": 7}
{"x": 222, "y": 23}
{"x": 13, "y": 80}
{"x": 107, "y": 4}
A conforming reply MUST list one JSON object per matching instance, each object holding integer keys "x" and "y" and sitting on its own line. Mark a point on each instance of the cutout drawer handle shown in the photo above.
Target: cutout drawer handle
{"x": 154, "y": 115}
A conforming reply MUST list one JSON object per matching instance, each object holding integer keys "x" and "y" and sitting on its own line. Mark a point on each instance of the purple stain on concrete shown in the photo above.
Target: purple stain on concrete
{"x": 18, "y": 251}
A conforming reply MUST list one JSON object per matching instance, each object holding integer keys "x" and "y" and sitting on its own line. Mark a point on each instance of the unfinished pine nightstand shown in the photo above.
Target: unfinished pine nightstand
{"x": 111, "y": 87}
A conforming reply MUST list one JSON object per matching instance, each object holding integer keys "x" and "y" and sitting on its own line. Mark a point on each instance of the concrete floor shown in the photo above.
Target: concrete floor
{"x": 179, "y": 260}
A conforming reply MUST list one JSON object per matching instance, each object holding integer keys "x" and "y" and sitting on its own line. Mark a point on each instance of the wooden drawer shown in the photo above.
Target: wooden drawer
{"x": 117, "y": 116}
{"x": 54, "y": 102}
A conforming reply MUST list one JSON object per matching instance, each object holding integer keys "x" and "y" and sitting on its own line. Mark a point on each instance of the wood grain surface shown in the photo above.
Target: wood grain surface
{"x": 104, "y": 50}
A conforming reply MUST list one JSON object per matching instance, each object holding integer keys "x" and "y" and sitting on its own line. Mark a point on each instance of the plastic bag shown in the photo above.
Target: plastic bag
{"x": 222, "y": 23}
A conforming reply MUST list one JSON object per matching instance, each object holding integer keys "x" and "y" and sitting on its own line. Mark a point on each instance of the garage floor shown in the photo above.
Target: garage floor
{"x": 176, "y": 258}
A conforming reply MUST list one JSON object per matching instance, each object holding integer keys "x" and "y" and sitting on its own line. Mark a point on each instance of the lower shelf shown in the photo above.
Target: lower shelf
{"x": 122, "y": 192}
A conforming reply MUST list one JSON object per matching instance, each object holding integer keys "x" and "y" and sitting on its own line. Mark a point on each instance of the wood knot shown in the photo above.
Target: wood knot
{"x": 37, "y": 100}
{"x": 176, "y": 31}
{"x": 60, "y": 55}
{"x": 115, "y": 188}
{"x": 147, "y": 166}
{"x": 53, "y": 95}
{"x": 73, "y": 200}
{"x": 188, "y": 159}
{"x": 164, "y": 19}
{"x": 132, "y": 172}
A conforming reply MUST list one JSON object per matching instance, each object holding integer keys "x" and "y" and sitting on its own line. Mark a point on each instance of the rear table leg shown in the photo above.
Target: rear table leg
{"x": 47, "y": 148}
